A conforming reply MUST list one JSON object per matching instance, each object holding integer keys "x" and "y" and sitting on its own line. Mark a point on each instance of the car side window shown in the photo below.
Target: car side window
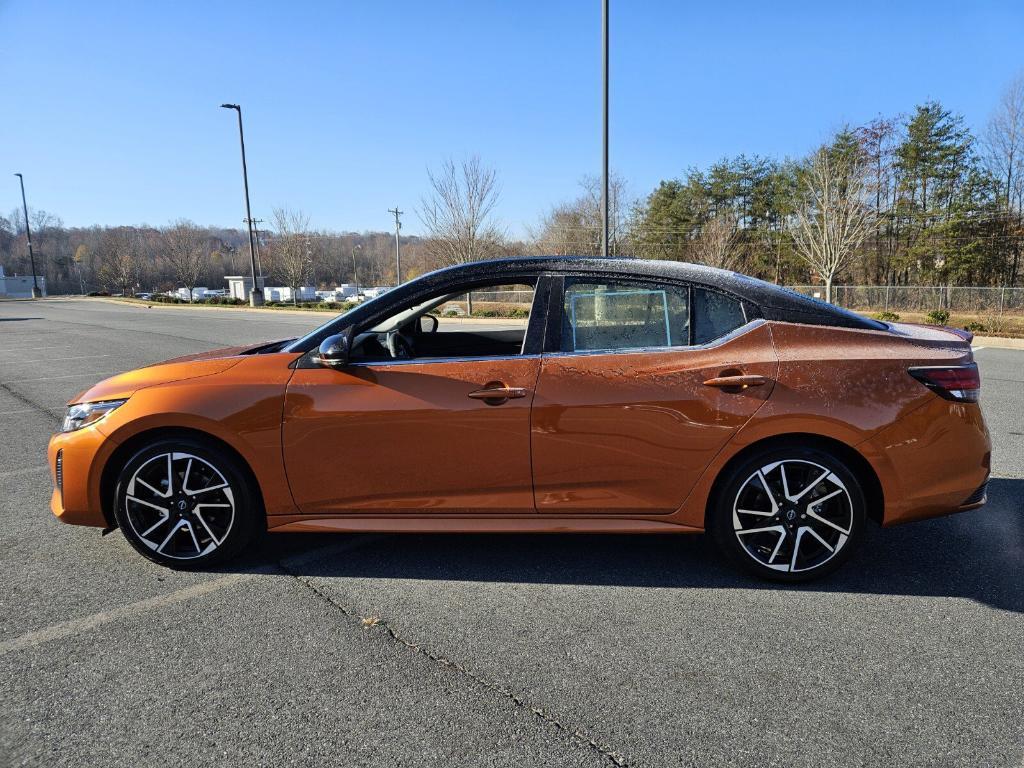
{"x": 715, "y": 315}
{"x": 613, "y": 315}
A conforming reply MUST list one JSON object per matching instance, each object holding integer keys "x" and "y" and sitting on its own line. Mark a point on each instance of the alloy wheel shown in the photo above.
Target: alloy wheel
{"x": 179, "y": 505}
{"x": 793, "y": 515}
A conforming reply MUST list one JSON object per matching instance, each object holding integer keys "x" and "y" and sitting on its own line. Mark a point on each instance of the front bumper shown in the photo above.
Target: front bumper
{"x": 76, "y": 499}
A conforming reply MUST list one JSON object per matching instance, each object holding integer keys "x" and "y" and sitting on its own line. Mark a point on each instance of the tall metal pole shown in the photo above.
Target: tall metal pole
{"x": 255, "y": 296}
{"x": 398, "y": 245}
{"x": 355, "y": 271}
{"x": 256, "y": 233}
{"x": 36, "y": 293}
{"x": 604, "y": 123}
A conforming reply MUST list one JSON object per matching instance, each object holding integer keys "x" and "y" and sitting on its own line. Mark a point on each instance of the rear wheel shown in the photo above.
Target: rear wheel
{"x": 185, "y": 504}
{"x": 789, "y": 513}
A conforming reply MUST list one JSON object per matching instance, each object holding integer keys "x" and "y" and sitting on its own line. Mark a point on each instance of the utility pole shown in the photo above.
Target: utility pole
{"x": 398, "y": 245}
{"x": 255, "y": 296}
{"x": 256, "y": 234}
{"x": 36, "y": 293}
{"x": 355, "y": 271}
{"x": 604, "y": 123}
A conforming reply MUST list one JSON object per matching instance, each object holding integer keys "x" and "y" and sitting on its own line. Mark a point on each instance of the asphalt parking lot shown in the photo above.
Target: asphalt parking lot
{"x": 482, "y": 650}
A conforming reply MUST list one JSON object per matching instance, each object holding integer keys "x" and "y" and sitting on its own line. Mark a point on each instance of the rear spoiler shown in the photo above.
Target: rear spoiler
{"x": 962, "y": 333}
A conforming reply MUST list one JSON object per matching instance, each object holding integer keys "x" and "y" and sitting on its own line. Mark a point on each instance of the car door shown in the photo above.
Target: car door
{"x": 641, "y": 385}
{"x": 429, "y": 435}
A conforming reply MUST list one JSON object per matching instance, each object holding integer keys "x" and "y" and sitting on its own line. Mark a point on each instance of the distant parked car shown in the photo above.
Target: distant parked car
{"x": 639, "y": 397}
{"x": 144, "y": 296}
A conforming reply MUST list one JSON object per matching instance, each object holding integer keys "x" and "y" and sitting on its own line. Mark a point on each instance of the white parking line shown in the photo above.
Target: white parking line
{"x": 69, "y": 376}
{"x": 53, "y": 359}
{"x": 977, "y": 348}
{"x": 31, "y": 349}
{"x": 73, "y": 627}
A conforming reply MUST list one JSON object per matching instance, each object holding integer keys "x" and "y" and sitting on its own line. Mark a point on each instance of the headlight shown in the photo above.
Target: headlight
{"x": 84, "y": 414}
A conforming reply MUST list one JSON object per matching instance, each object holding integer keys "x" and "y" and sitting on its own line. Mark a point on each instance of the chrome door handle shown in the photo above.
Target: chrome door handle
{"x": 738, "y": 382}
{"x": 496, "y": 393}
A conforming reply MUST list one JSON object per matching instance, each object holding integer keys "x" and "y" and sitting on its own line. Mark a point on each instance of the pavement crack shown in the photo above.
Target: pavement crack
{"x": 53, "y": 413}
{"x": 368, "y": 623}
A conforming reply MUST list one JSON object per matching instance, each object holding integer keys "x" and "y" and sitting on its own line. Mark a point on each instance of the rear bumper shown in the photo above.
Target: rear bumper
{"x": 76, "y": 499}
{"x": 934, "y": 461}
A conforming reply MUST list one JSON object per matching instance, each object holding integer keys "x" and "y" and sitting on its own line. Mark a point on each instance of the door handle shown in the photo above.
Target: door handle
{"x": 496, "y": 393}
{"x": 737, "y": 382}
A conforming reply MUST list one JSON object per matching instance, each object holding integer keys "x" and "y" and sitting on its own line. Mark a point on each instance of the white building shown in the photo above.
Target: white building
{"x": 19, "y": 286}
{"x": 239, "y": 286}
{"x": 283, "y": 293}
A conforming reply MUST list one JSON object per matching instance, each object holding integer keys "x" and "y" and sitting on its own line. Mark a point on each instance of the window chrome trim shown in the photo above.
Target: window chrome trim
{"x": 743, "y": 329}
{"x": 442, "y": 360}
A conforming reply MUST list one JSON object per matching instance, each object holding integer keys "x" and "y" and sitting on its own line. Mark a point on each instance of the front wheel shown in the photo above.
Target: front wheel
{"x": 789, "y": 513}
{"x": 185, "y": 504}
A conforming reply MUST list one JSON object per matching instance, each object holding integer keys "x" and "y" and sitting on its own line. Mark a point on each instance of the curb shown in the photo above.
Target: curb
{"x": 997, "y": 342}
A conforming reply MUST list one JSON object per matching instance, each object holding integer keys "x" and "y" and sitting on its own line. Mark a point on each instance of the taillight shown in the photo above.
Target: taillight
{"x": 953, "y": 382}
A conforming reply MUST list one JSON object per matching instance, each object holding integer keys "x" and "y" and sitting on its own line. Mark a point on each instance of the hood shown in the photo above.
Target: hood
{"x": 124, "y": 385}
{"x": 212, "y": 354}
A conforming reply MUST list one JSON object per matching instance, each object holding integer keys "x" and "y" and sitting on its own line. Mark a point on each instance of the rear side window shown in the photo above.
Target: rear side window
{"x": 602, "y": 316}
{"x": 714, "y": 315}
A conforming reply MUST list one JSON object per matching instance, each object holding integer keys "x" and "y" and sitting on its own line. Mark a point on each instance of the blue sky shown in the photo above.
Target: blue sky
{"x": 110, "y": 109}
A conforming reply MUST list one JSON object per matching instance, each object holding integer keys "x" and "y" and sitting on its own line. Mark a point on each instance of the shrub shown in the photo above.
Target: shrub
{"x": 938, "y": 316}
{"x": 976, "y": 326}
{"x": 887, "y": 316}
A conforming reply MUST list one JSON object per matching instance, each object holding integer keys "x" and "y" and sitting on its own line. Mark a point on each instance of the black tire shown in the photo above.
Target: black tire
{"x": 211, "y": 523}
{"x": 829, "y": 513}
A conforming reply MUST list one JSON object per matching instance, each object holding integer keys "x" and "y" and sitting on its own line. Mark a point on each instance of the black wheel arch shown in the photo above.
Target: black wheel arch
{"x": 856, "y": 462}
{"x": 134, "y": 444}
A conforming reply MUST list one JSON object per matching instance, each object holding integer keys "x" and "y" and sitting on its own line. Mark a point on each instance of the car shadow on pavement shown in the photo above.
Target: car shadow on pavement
{"x": 977, "y": 555}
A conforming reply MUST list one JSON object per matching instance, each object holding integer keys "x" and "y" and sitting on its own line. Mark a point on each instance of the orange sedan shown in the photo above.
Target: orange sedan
{"x": 633, "y": 397}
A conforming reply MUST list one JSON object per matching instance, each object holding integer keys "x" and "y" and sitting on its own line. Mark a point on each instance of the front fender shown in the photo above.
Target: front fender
{"x": 241, "y": 407}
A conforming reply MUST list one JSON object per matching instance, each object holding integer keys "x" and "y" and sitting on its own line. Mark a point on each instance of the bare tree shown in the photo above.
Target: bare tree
{"x": 293, "y": 250}
{"x": 833, "y": 216}
{"x": 573, "y": 228}
{"x": 457, "y": 215}
{"x": 715, "y": 244}
{"x": 1004, "y": 144}
{"x": 120, "y": 265}
{"x": 185, "y": 246}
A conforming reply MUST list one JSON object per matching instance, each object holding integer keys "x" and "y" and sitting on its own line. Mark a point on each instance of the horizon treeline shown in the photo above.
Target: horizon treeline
{"x": 910, "y": 199}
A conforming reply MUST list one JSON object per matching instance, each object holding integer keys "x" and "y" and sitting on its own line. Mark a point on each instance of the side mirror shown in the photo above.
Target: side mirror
{"x": 333, "y": 351}
{"x": 428, "y": 324}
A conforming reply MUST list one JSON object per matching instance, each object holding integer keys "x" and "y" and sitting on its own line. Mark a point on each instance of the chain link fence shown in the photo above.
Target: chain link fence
{"x": 922, "y": 298}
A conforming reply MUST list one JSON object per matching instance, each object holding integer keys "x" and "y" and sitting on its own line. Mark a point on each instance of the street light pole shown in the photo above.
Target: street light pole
{"x": 36, "y": 293}
{"x": 255, "y": 296}
{"x": 604, "y": 124}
